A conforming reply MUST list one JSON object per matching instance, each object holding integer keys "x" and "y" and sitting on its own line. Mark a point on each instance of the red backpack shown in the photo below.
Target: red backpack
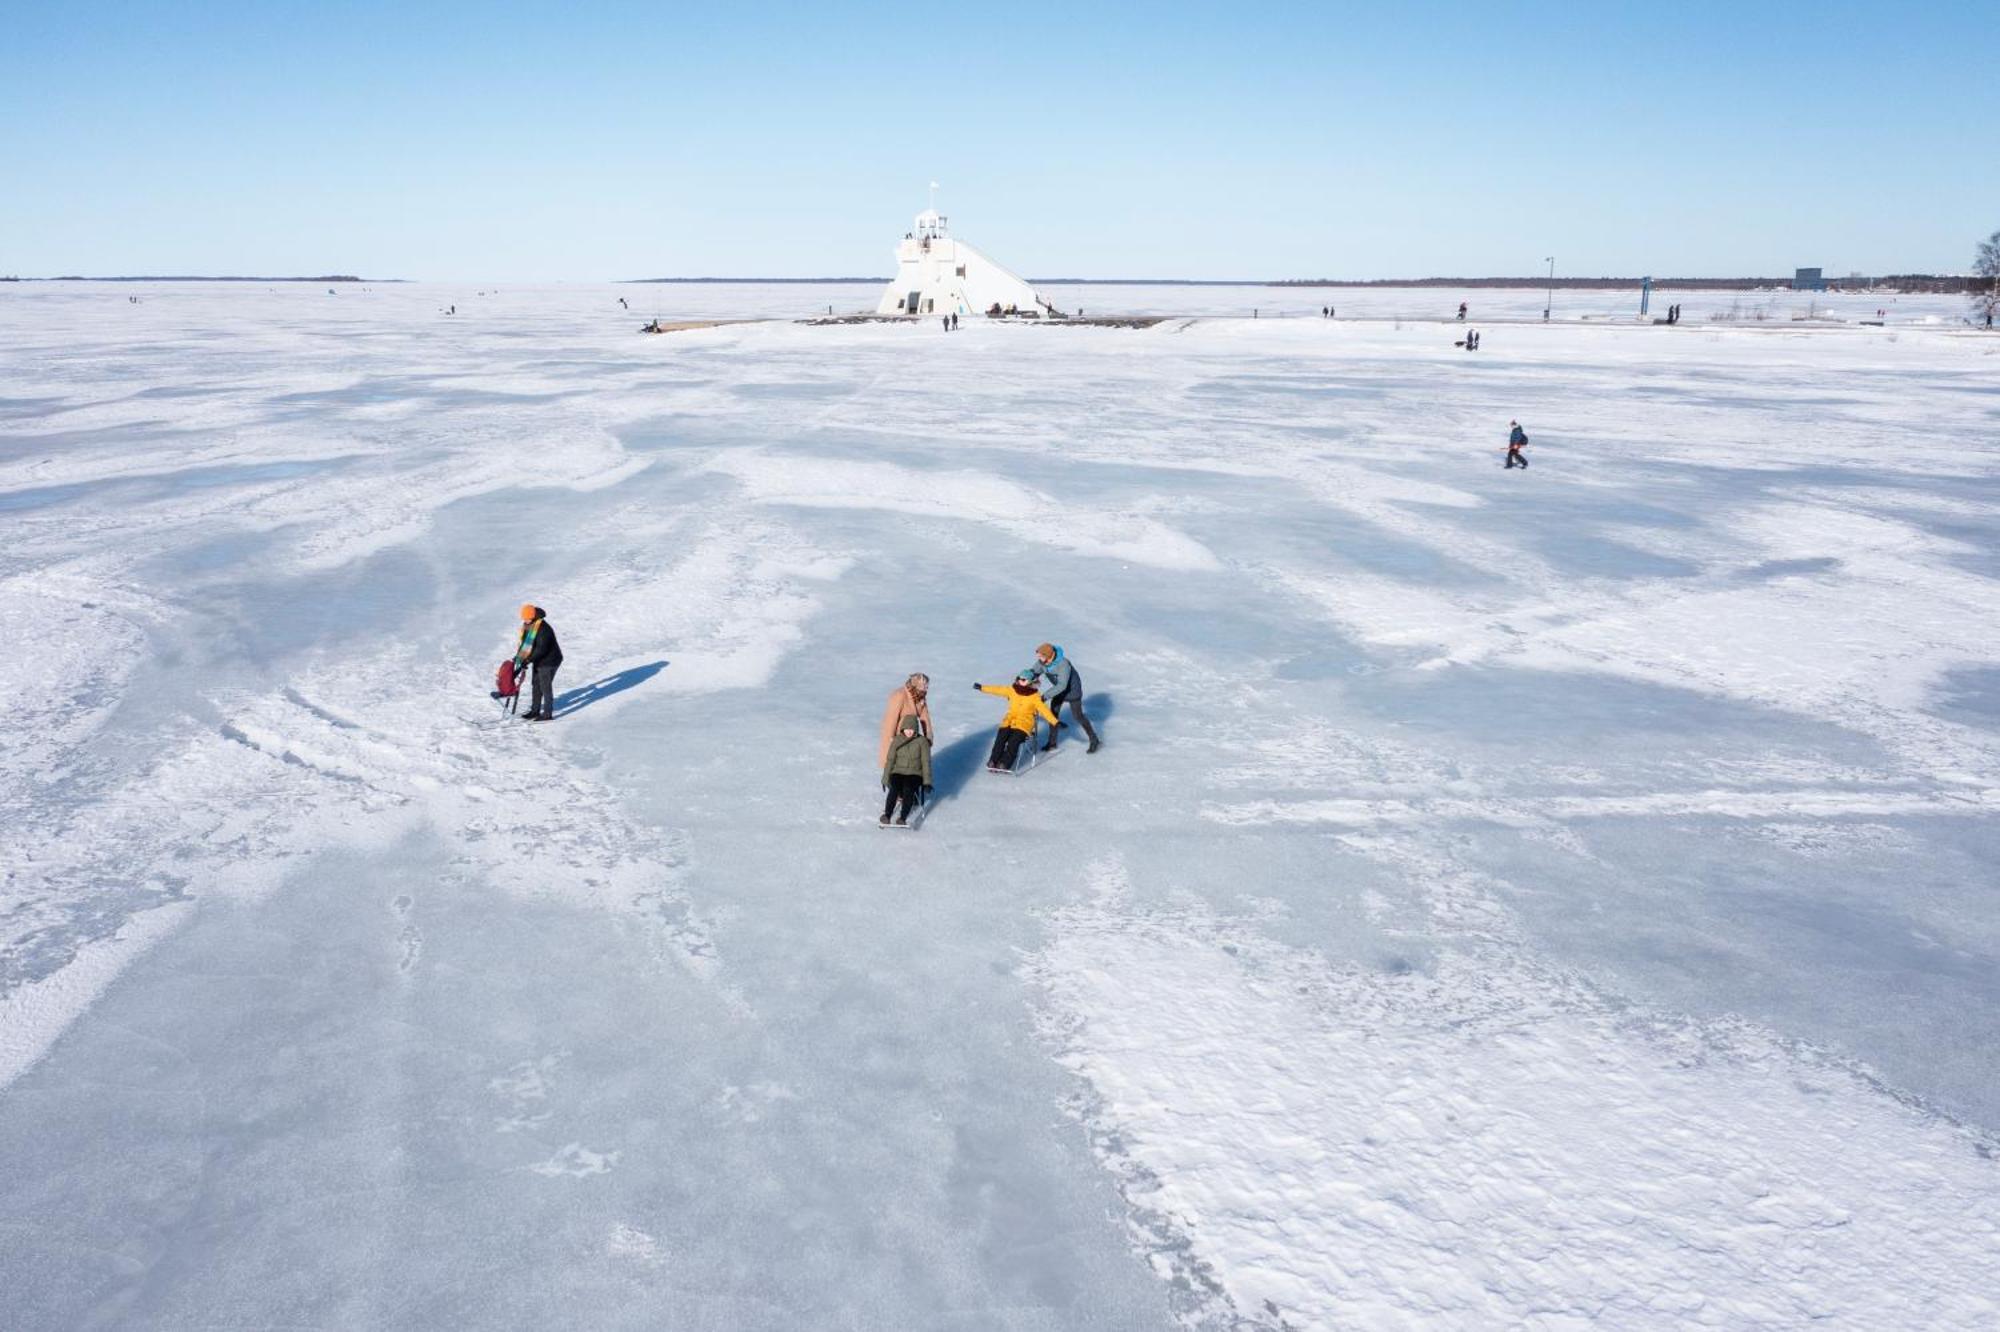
{"x": 506, "y": 684}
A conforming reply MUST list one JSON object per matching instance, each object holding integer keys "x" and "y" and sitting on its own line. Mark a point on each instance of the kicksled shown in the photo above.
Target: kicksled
{"x": 916, "y": 820}
{"x": 1023, "y": 766}
{"x": 507, "y": 687}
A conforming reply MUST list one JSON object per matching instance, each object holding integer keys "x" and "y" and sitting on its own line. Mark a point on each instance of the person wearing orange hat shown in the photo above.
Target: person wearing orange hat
{"x": 1062, "y": 685}
{"x": 538, "y": 648}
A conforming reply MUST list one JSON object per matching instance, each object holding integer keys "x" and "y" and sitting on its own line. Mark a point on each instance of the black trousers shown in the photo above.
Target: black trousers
{"x": 904, "y": 788}
{"x": 542, "y": 703}
{"x": 1006, "y": 748}
{"x": 1075, "y": 700}
{"x": 1516, "y": 458}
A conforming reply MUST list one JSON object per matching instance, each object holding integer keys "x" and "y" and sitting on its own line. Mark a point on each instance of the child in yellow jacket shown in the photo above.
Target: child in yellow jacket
{"x": 1024, "y": 704}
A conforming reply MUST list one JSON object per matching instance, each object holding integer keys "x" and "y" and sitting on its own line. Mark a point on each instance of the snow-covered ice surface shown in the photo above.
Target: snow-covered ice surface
{"x": 1504, "y": 899}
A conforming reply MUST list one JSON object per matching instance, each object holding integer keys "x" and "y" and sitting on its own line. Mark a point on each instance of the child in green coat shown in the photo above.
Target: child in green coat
{"x": 906, "y": 773}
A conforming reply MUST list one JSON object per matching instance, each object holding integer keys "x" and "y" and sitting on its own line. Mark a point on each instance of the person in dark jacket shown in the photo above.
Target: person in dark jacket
{"x": 538, "y": 648}
{"x": 1062, "y": 685}
{"x": 1517, "y": 439}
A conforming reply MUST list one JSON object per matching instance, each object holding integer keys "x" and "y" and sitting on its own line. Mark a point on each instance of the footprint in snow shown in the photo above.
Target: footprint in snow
{"x": 577, "y": 1160}
{"x": 635, "y": 1245}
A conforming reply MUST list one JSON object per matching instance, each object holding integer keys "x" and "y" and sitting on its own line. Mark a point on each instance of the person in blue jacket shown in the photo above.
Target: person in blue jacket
{"x": 1061, "y": 684}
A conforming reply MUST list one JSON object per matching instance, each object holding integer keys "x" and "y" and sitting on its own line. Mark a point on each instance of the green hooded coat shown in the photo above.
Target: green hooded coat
{"x": 908, "y": 756}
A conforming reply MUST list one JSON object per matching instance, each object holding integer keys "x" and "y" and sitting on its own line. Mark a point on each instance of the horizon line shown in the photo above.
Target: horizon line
{"x": 1529, "y": 281}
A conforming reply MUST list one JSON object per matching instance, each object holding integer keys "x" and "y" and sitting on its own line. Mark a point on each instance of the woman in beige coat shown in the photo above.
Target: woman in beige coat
{"x": 912, "y": 696}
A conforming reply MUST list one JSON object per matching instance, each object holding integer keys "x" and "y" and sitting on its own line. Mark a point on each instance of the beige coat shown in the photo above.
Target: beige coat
{"x": 901, "y": 705}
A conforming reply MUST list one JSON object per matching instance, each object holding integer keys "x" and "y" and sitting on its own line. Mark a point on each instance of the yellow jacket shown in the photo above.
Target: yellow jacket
{"x": 1022, "y": 709}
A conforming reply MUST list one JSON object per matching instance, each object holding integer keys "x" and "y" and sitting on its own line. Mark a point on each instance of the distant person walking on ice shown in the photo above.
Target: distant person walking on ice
{"x": 538, "y": 648}
{"x": 906, "y": 773}
{"x": 1064, "y": 686}
{"x": 1517, "y": 439}
{"x": 1461, "y": 312}
{"x": 909, "y": 699}
{"x": 1024, "y": 705}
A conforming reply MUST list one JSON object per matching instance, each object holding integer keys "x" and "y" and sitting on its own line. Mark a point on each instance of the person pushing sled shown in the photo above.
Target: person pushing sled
{"x": 1024, "y": 705}
{"x": 1065, "y": 685}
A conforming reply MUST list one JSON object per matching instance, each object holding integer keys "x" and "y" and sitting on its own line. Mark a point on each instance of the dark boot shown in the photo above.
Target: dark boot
{"x": 1083, "y": 720}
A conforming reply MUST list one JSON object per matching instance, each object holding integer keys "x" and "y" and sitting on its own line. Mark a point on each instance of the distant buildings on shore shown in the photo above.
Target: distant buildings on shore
{"x": 1910, "y": 282}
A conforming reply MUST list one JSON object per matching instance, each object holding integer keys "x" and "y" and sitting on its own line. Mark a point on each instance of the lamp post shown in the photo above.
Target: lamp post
{"x": 1552, "y": 290}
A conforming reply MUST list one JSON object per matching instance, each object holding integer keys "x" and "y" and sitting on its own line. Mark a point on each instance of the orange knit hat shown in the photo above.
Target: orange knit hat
{"x": 528, "y": 612}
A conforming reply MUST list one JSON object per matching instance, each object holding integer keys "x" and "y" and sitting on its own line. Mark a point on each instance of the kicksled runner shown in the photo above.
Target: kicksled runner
{"x": 1031, "y": 759}
{"x": 913, "y": 821}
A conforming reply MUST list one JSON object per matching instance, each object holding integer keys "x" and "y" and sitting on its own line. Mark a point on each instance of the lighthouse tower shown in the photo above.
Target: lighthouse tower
{"x": 938, "y": 274}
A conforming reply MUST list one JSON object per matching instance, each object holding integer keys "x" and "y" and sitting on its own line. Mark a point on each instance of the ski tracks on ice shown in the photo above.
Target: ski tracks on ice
{"x": 503, "y": 793}
{"x": 330, "y": 764}
{"x": 1789, "y": 612}
{"x": 1489, "y": 1142}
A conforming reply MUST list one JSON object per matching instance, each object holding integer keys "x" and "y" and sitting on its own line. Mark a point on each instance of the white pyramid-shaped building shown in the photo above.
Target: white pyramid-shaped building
{"x": 937, "y": 275}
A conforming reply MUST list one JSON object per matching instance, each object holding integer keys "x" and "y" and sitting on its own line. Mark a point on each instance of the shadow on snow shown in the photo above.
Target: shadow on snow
{"x": 954, "y": 764}
{"x": 577, "y": 699}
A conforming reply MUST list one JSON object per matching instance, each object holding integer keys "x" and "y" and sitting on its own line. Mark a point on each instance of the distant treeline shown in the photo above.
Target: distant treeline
{"x": 764, "y": 281}
{"x": 196, "y": 277}
{"x": 1904, "y": 281}
{"x": 1040, "y": 281}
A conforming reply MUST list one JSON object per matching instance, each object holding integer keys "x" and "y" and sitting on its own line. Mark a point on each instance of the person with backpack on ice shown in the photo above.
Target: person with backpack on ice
{"x": 1064, "y": 685}
{"x": 1517, "y": 439}
{"x": 1024, "y": 705}
{"x": 538, "y": 648}
{"x": 906, "y": 774}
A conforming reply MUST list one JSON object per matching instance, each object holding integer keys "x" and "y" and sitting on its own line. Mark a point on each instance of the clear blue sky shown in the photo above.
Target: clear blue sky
{"x": 498, "y": 141}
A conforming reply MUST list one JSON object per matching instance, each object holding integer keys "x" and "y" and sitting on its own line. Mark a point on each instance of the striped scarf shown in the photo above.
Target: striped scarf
{"x": 527, "y": 647}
